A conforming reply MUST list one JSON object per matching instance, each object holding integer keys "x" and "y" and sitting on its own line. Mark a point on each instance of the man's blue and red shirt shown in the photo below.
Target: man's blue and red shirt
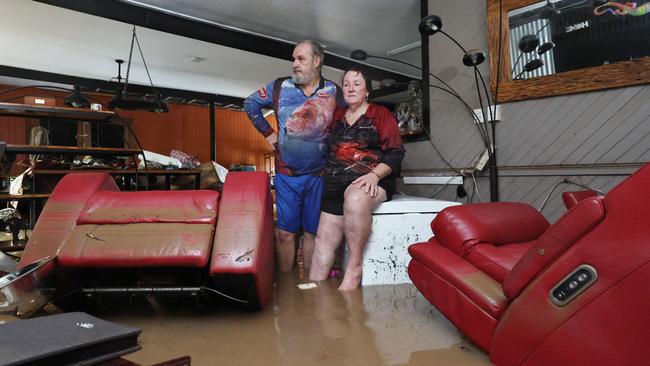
{"x": 303, "y": 122}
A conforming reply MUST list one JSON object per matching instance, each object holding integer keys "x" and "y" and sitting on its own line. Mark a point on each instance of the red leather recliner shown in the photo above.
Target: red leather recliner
{"x": 530, "y": 293}
{"x": 107, "y": 242}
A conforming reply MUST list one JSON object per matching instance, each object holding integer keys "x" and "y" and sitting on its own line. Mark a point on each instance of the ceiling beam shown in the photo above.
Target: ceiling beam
{"x": 97, "y": 85}
{"x": 160, "y": 21}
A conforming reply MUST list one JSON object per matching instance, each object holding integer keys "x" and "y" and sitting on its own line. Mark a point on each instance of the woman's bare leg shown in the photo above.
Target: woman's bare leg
{"x": 357, "y": 208}
{"x": 328, "y": 239}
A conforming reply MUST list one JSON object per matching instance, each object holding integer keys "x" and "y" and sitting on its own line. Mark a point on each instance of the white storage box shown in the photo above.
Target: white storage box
{"x": 396, "y": 224}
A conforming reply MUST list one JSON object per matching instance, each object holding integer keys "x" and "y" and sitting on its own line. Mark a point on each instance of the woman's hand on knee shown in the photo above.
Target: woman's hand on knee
{"x": 368, "y": 183}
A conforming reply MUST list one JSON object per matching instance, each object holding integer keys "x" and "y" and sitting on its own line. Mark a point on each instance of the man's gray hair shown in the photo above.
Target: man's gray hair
{"x": 316, "y": 50}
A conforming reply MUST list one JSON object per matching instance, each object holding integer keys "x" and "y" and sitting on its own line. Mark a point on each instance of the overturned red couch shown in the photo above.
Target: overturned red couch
{"x": 186, "y": 243}
{"x": 530, "y": 293}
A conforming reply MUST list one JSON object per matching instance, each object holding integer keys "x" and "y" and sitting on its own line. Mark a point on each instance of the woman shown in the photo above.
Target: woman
{"x": 365, "y": 157}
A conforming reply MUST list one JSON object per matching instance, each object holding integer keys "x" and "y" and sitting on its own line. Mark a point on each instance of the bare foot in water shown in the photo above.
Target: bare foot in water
{"x": 351, "y": 279}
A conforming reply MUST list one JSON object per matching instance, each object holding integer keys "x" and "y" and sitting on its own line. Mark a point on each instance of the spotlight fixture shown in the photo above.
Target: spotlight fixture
{"x": 430, "y": 25}
{"x": 528, "y": 43}
{"x": 473, "y": 58}
{"x": 543, "y": 48}
{"x": 76, "y": 99}
{"x": 533, "y": 65}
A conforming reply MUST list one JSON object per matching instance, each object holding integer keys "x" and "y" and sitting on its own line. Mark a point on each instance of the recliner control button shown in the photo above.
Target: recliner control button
{"x": 573, "y": 284}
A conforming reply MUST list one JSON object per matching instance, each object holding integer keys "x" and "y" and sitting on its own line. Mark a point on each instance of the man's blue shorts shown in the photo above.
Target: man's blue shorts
{"x": 297, "y": 200}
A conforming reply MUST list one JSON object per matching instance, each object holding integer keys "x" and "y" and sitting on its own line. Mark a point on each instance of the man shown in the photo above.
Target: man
{"x": 304, "y": 105}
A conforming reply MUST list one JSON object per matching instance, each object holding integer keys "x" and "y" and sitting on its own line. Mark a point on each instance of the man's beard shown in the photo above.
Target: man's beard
{"x": 305, "y": 78}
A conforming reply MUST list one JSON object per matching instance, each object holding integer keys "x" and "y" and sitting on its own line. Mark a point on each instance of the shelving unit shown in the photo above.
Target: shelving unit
{"x": 392, "y": 98}
{"x": 77, "y": 115}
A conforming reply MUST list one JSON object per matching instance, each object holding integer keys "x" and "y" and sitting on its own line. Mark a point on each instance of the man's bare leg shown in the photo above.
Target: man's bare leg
{"x": 357, "y": 208}
{"x": 285, "y": 247}
{"x": 328, "y": 238}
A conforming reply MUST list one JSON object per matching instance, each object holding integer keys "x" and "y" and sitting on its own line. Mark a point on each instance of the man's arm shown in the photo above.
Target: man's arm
{"x": 262, "y": 98}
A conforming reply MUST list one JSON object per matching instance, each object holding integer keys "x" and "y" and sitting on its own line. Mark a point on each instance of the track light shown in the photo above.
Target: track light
{"x": 123, "y": 100}
{"x": 76, "y": 99}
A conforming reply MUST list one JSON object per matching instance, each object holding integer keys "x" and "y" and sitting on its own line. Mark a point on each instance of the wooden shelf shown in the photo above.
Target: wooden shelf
{"x": 35, "y": 111}
{"x": 11, "y": 246}
{"x": 70, "y": 150}
{"x": 23, "y": 197}
{"x": 117, "y": 171}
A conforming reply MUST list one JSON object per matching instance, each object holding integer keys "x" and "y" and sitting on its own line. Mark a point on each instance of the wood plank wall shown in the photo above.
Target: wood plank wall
{"x": 185, "y": 128}
{"x": 239, "y": 142}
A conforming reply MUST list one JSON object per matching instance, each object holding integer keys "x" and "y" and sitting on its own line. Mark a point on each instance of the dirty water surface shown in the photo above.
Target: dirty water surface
{"x": 376, "y": 325}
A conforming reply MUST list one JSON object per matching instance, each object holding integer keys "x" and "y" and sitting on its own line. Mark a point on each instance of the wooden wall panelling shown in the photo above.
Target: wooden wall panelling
{"x": 238, "y": 141}
{"x": 196, "y": 131}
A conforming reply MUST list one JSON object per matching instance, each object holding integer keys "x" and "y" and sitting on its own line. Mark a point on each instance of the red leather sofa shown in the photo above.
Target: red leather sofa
{"x": 192, "y": 243}
{"x": 530, "y": 293}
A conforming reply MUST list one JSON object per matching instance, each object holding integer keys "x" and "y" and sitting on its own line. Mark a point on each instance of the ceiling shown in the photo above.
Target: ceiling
{"x": 377, "y": 26}
{"x": 46, "y": 38}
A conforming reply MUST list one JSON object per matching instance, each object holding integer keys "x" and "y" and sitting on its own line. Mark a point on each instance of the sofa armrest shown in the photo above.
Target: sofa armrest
{"x": 572, "y": 198}
{"x": 553, "y": 243}
{"x": 459, "y": 228}
{"x": 243, "y": 239}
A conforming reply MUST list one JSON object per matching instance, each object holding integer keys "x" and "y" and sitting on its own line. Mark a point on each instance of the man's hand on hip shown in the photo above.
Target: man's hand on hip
{"x": 272, "y": 139}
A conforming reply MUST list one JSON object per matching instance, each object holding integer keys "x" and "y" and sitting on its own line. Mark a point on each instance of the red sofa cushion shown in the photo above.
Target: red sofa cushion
{"x": 137, "y": 245}
{"x": 572, "y": 198}
{"x": 60, "y": 214}
{"x": 188, "y": 207}
{"x": 479, "y": 288}
{"x": 553, "y": 243}
{"x": 143, "y": 229}
{"x": 459, "y": 228}
{"x": 497, "y": 262}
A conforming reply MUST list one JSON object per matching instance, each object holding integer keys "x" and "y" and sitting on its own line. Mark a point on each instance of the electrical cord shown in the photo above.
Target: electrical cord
{"x": 476, "y": 71}
{"x": 471, "y": 111}
{"x": 478, "y": 193}
{"x": 224, "y": 295}
{"x": 566, "y": 181}
{"x": 444, "y": 185}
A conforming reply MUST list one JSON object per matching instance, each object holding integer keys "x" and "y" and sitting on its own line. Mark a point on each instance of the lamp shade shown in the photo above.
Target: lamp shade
{"x": 430, "y": 25}
{"x": 473, "y": 58}
{"x": 124, "y": 100}
{"x": 528, "y": 43}
{"x": 533, "y": 65}
{"x": 545, "y": 47}
{"x": 130, "y": 103}
{"x": 359, "y": 55}
{"x": 76, "y": 99}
